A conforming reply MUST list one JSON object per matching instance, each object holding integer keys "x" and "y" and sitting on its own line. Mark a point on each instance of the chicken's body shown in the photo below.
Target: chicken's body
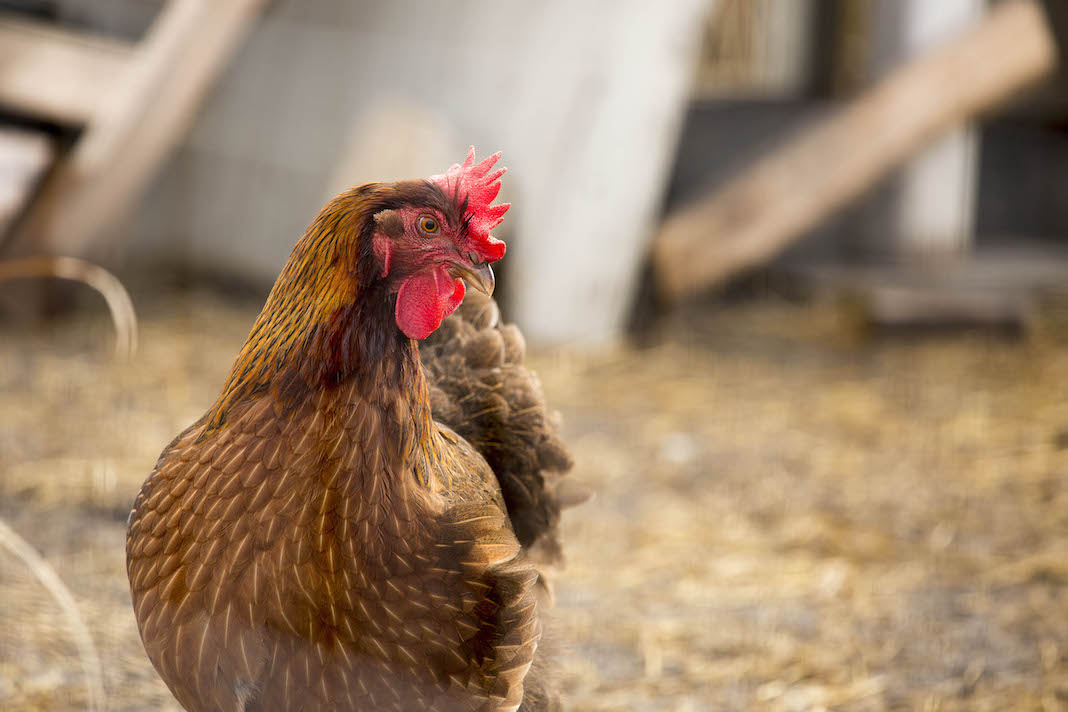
{"x": 318, "y": 541}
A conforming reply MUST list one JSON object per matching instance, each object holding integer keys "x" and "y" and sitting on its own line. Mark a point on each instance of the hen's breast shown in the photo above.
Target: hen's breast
{"x": 285, "y": 564}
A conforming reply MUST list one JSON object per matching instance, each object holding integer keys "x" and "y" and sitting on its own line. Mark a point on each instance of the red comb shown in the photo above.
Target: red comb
{"x": 475, "y": 183}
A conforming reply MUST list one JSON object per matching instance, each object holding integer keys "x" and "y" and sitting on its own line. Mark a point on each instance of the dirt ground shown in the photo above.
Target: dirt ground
{"x": 786, "y": 519}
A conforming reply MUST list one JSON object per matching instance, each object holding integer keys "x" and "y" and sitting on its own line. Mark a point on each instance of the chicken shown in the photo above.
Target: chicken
{"x": 363, "y": 520}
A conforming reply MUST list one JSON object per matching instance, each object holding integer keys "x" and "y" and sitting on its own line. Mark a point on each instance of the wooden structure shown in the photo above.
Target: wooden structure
{"x": 1011, "y": 286}
{"x": 792, "y": 189}
{"x": 132, "y": 102}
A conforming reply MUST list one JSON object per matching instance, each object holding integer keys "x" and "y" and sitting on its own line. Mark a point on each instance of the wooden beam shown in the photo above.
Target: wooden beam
{"x": 55, "y": 74}
{"x": 793, "y": 189}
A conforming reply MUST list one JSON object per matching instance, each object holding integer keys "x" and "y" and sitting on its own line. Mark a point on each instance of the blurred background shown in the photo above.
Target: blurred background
{"x": 793, "y": 271}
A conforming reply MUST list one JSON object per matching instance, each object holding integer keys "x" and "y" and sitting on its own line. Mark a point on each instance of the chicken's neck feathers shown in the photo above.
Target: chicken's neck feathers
{"x": 328, "y": 329}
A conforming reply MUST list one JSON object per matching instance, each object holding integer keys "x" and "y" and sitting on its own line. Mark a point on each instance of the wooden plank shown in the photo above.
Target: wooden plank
{"x": 142, "y": 118}
{"x": 24, "y": 158}
{"x": 793, "y": 189}
{"x": 1027, "y": 266}
{"x": 54, "y": 74}
{"x": 992, "y": 286}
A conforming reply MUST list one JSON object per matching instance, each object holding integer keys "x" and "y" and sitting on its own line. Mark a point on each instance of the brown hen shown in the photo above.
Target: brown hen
{"x": 355, "y": 524}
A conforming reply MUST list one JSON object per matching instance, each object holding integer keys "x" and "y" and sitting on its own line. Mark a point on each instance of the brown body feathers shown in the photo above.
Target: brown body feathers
{"x": 358, "y": 521}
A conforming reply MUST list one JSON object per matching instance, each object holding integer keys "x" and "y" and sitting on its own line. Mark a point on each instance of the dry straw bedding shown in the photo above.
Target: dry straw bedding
{"x": 785, "y": 520}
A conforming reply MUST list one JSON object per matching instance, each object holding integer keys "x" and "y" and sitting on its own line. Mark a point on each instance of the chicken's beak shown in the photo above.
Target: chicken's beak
{"x": 479, "y": 276}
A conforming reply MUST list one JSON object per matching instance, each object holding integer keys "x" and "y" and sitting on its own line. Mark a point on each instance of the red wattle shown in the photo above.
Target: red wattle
{"x": 425, "y": 299}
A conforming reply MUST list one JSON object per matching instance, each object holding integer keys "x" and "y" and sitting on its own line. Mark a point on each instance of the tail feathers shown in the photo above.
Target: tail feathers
{"x": 481, "y": 389}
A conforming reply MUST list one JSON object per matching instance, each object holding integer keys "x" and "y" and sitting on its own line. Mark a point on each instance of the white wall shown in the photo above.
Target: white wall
{"x": 584, "y": 98}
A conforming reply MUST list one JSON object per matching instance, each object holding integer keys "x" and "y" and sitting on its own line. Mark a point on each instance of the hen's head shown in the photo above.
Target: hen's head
{"x": 426, "y": 250}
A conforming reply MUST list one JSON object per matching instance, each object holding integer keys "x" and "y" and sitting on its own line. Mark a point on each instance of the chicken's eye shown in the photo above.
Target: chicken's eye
{"x": 428, "y": 225}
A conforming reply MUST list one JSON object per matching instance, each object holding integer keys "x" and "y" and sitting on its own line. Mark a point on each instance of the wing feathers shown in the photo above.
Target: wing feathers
{"x": 481, "y": 389}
